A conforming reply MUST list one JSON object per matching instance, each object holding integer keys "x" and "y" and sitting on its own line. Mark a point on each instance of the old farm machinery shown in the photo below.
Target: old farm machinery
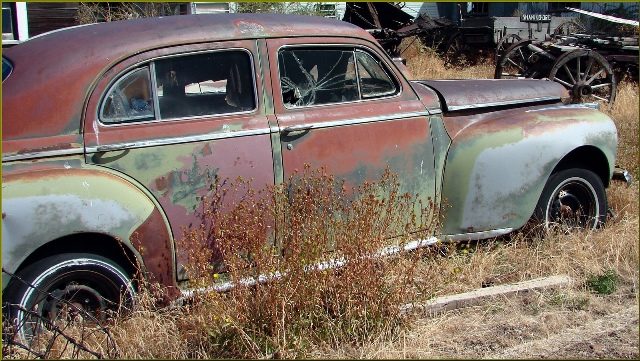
{"x": 476, "y": 34}
{"x": 588, "y": 65}
{"x": 537, "y": 46}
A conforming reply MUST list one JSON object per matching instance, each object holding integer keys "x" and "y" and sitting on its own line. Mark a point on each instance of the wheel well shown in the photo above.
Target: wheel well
{"x": 586, "y": 157}
{"x": 96, "y": 243}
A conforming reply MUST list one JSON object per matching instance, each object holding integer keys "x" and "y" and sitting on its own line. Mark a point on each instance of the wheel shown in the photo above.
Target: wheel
{"x": 572, "y": 198}
{"x": 456, "y": 51}
{"x": 569, "y": 27}
{"x": 521, "y": 60}
{"x": 65, "y": 288}
{"x": 586, "y": 74}
{"x": 505, "y": 43}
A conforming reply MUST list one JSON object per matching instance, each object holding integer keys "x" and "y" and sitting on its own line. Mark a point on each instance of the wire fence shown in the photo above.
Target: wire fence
{"x": 71, "y": 332}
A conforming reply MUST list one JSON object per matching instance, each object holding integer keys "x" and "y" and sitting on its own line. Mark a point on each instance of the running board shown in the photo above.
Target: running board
{"x": 331, "y": 264}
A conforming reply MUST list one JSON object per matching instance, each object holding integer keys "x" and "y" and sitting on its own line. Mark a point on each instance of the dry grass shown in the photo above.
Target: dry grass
{"x": 424, "y": 63}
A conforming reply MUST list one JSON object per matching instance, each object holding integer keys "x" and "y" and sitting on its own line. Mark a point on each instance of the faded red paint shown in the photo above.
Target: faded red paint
{"x": 153, "y": 241}
{"x": 57, "y": 94}
{"x": 475, "y": 93}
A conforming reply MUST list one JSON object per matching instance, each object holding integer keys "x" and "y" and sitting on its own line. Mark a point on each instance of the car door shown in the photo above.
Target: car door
{"x": 340, "y": 106}
{"x": 177, "y": 121}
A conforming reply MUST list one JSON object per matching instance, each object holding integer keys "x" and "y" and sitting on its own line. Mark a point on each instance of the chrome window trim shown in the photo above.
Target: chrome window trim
{"x": 154, "y": 94}
{"x": 154, "y": 91}
{"x": 177, "y": 140}
{"x": 43, "y": 154}
{"x": 502, "y": 103}
{"x": 386, "y": 72}
{"x": 336, "y": 45}
{"x": 595, "y": 106}
{"x": 379, "y": 118}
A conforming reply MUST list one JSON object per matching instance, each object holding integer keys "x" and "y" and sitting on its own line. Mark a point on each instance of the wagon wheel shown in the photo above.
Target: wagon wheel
{"x": 518, "y": 62}
{"x": 569, "y": 27}
{"x": 456, "y": 50}
{"x": 586, "y": 74}
{"x": 504, "y": 44}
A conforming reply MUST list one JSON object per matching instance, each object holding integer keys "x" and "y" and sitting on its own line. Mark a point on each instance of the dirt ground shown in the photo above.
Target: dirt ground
{"x": 555, "y": 324}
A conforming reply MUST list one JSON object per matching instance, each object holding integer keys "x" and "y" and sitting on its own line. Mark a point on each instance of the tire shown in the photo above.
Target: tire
{"x": 572, "y": 198}
{"x": 63, "y": 287}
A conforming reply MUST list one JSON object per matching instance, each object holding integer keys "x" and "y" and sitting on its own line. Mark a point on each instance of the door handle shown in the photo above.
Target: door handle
{"x": 297, "y": 128}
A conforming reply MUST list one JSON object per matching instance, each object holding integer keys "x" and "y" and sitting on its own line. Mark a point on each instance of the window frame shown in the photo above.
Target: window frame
{"x": 9, "y": 65}
{"x": 112, "y": 87}
{"x": 385, "y": 71}
{"x": 342, "y": 46}
{"x": 150, "y": 63}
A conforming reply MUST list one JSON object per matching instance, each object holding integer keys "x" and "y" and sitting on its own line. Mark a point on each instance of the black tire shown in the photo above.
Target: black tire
{"x": 572, "y": 198}
{"x": 63, "y": 287}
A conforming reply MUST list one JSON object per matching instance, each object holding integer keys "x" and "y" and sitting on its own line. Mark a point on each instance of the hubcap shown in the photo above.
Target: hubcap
{"x": 74, "y": 301}
{"x": 573, "y": 205}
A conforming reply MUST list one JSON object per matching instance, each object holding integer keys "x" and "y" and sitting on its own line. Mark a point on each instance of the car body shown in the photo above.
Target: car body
{"x": 111, "y": 132}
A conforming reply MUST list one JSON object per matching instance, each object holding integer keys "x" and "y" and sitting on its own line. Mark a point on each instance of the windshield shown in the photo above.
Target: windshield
{"x": 6, "y": 68}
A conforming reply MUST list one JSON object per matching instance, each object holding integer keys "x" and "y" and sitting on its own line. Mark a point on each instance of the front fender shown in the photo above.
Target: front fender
{"x": 49, "y": 200}
{"x": 499, "y": 161}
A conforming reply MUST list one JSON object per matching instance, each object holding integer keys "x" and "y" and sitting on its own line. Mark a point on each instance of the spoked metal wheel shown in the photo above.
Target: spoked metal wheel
{"x": 573, "y": 198}
{"x": 587, "y": 75}
{"x": 505, "y": 43}
{"x": 522, "y": 60}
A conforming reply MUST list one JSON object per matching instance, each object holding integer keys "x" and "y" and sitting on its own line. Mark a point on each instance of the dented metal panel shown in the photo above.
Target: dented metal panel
{"x": 178, "y": 160}
{"x": 65, "y": 196}
{"x": 356, "y": 141}
{"x": 498, "y": 165}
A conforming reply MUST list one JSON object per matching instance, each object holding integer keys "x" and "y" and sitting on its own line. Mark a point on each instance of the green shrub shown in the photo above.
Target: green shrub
{"x": 604, "y": 284}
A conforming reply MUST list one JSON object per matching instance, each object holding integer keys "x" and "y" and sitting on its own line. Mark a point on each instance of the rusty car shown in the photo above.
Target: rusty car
{"x": 111, "y": 130}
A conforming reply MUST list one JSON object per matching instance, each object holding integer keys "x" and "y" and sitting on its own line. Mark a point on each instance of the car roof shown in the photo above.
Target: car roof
{"x": 53, "y": 72}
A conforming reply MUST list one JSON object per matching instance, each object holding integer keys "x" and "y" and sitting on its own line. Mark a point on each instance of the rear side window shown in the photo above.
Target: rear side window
{"x": 130, "y": 98}
{"x": 317, "y": 76}
{"x": 184, "y": 86}
{"x": 6, "y": 68}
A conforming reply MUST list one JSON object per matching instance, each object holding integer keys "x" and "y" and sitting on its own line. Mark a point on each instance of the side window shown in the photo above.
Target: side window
{"x": 317, "y": 76}
{"x": 329, "y": 75}
{"x": 205, "y": 84}
{"x": 129, "y": 98}
{"x": 194, "y": 85}
{"x": 374, "y": 81}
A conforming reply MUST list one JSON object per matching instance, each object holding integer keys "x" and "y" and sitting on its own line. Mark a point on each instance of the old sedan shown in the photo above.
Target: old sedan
{"x": 111, "y": 132}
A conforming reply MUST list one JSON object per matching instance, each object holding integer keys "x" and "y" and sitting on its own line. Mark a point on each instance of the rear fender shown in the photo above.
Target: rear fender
{"x": 47, "y": 201}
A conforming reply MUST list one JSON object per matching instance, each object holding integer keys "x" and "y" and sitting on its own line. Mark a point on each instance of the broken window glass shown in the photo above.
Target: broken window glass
{"x": 324, "y": 76}
{"x": 129, "y": 99}
{"x": 374, "y": 81}
{"x": 317, "y": 76}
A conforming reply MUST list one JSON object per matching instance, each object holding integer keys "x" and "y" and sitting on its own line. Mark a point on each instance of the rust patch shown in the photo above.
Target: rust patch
{"x": 154, "y": 243}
